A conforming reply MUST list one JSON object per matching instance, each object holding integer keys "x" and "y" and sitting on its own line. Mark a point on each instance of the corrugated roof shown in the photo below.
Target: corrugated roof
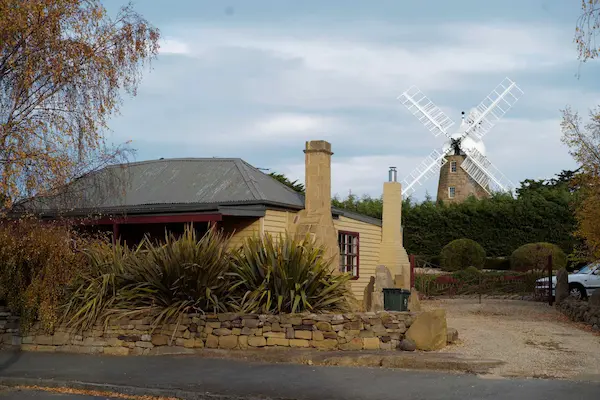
{"x": 172, "y": 185}
{"x": 173, "y": 181}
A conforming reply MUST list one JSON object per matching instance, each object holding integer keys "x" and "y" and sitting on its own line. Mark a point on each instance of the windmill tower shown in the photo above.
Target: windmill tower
{"x": 463, "y": 168}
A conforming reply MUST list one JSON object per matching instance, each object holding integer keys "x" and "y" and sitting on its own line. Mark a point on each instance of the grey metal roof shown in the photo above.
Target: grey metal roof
{"x": 173, "y": 185}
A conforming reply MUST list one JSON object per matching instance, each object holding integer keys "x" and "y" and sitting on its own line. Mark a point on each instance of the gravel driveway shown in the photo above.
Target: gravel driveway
{"x": 532, "y": 338}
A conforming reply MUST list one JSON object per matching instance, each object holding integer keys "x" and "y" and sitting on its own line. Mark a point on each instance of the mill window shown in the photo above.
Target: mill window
{"x": 452, "y": 166}
{"x": 451, "y": 192}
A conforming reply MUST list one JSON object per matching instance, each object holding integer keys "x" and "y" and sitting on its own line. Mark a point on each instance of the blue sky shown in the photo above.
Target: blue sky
{"x": 257, "y": 78}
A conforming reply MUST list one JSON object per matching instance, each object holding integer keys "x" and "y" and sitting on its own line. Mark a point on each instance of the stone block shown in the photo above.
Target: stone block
{"x": 317, "y": 335}
{"x": 213, "y": 324}
{"x": 429, "y": 330}
{"x": 307, "y": 335}
{"x": 114, "y": 342}
{"x": 371, "y": 343}
{"x": 275, "y": 327}
{"x": 116, "y": 351}
{"x": 247, "y": 331}
{"x": 327, "y": 344}
{"x": 279, "y": 335}
{"x": 299, "y": 343}
{"x": 330, "y": 335}
{"x": 257, "y": 341}
{"x": 187, "y": 334}
{"x": 324, "y": 326}
{"x": 93, "y": 341}
{"x": 366, "y": 334}
{"x": 144, "y": 345}
{"x": 43, "y": 340}
{"x": 212, "y": 342}
{"x": 160, "y": 340}
{"x": 28, "y": 347}
{"x": 60, "y": 338}
{"x": 228, "y": 342}
{"x": 222, "y": 332}
{"x": 129, "y": 338}
{"x": 289, "y": 333}
{"x": 236, "y": 331}
{"x": 277, "y": 341}
{"x": 252, "y": 323}
{"x": 243, "y": 342}
{"x": 353, "y": 344}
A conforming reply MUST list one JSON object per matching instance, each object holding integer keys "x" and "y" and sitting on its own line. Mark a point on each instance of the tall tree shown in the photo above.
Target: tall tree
{"x": 586, "y": 30}
{"x": 584, "y": 145}
{"x": 295, "y": 185}
{"x": 64, "y": 65}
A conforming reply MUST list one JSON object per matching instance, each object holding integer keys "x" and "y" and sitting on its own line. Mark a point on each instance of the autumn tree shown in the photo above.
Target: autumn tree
{"x": 583, "y": 140}
{"x": 64, "y": 67}
{"x": 586, "y": 30}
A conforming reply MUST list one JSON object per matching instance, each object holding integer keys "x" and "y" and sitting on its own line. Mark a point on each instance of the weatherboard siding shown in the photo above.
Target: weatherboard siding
{"x": 277, "y": 222}
{"x": 241, "y": 228}
{"x": 369, "y": 237}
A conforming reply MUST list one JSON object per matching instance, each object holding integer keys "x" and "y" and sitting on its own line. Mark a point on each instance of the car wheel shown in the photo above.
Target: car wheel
{"x": 577, "y": 292}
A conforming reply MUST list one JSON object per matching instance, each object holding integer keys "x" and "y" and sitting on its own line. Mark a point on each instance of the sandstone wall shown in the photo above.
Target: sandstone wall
{"x": 369, "y": 331}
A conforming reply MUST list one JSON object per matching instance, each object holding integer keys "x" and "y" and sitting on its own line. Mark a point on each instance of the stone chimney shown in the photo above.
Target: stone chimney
{"x": 391, "y": 252}
{"x": 316, "y": 218}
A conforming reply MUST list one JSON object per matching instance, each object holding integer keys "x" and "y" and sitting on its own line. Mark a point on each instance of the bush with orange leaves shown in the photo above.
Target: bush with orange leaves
{"x": 37, "y": 261}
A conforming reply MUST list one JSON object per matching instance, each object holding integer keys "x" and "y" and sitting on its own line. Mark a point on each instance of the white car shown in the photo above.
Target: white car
{"x": 582, "y": 283}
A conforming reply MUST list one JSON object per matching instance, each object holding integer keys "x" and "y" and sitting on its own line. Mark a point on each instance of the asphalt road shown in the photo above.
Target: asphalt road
{"x": 169, "y": 374}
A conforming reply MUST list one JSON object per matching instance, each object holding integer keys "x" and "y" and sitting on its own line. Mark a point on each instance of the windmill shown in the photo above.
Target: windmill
{"x": 464, "y": 148}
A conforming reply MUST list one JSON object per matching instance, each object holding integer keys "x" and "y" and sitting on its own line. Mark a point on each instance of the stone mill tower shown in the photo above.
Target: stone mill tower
{"x": 455, "y": 185}
{"x": 462, "y": 164}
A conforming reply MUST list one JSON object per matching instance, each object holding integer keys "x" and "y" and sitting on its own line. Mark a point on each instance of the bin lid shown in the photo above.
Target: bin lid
{"x": 393, "y": 290}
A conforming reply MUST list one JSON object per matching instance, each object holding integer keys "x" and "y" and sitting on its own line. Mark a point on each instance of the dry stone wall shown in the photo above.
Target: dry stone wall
{"x": 357, "y": 331}
{"x": 582, "y": 311}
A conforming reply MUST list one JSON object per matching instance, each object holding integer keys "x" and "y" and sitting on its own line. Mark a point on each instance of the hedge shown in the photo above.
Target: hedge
{"x": 462, "y": 253}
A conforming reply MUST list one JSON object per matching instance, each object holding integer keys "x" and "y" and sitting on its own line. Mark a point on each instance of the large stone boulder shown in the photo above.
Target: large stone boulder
{"x": 383, "y": 280}
{"x": 562, "y": 286}
{"x": 429, "y": 330}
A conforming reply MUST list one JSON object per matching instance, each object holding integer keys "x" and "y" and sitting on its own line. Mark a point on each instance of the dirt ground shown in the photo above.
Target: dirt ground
{"x": 532, "y": 338}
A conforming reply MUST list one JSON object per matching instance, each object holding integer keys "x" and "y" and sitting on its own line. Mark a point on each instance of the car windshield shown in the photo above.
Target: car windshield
{"x": 587, "y": 269}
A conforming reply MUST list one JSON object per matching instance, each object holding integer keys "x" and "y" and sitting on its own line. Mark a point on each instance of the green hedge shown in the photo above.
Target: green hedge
{"x": 534, "y": 256}
{"x": 462, "y": 253}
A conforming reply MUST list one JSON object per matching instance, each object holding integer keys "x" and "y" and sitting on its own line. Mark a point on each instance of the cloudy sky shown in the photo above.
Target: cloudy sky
{"x": 257, "y": 78}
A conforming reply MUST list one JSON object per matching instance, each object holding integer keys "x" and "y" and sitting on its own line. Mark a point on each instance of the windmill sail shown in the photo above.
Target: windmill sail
{"x": 492, "y": 108}
{"x": 478, "y": 167}
{"x": 431, "y": 165}
{"x": 434, "y": 119}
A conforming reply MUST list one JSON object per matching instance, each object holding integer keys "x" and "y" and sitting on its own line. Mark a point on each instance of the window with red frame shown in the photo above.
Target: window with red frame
{"x": 348, "y": 242}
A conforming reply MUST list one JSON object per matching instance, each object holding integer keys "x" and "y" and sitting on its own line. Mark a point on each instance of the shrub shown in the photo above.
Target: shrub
{"x": 497, "y": 263}
{"x": 534, "y": 256}
{"x": 462, "y": 253}
{"x": 37, "y": 260}
{"x": 163, "y": 282}
{"x": 285, "y": 275}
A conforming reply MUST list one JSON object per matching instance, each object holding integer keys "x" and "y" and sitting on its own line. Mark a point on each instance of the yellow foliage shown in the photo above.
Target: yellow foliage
{"x": 63, "y": 66}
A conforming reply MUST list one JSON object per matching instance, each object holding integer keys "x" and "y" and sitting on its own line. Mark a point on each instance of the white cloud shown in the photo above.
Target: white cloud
{"x": 173, "y": 46}
{"x": 298, "y": 125}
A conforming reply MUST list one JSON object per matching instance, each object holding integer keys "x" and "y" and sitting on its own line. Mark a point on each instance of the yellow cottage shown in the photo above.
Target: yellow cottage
{"x": 147, "y": 197}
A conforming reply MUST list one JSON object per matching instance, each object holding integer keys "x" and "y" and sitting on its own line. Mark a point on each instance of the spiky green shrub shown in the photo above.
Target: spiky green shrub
{"x": 534, "y": 256}
{"x": 287, "y": 275}
{"x": 166, "y": 281}
{"x": 462, "y": 253}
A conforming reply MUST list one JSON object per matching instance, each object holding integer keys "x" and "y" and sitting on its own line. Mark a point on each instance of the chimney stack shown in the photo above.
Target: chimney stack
{"x": 392, "y": 253}
{"x": 316, "y": 218}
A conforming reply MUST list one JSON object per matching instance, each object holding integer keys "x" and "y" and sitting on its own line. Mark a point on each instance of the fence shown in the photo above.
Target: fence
{"x": 489, "y": 283}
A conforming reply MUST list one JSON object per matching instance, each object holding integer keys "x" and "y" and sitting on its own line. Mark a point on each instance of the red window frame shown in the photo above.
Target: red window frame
{"x": 346, "y": 256}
